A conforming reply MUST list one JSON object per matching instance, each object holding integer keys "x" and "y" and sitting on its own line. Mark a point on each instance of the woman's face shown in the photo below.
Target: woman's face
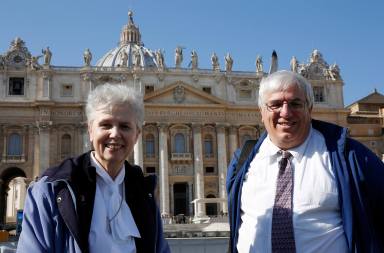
{"x": 113, "y": 134}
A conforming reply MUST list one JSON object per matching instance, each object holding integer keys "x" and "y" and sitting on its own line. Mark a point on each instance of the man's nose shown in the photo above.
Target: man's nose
{"x": 285, "y": 110}
{"x": 114, "y": 131}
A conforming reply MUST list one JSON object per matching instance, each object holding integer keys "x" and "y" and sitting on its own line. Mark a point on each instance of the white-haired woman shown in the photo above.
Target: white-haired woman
{"x": 97, "y": 202}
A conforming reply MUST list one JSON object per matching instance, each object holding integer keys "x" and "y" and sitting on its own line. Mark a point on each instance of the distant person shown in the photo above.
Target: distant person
{"x": 97, "y": 202}
{"x": 305, "y": 186}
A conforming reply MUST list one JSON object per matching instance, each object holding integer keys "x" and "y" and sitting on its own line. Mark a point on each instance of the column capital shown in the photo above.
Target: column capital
{"x": 162, "y": 126}
{"x": 221, "y": 126}
{"x": 44, "y": 125}
{"x": 233, "y": 129}
{"x": 196, "y": 126}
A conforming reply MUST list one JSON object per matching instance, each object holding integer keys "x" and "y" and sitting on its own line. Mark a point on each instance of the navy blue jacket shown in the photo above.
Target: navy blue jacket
{"x": 360, "y": 181}
{"x": 59, "y": 207}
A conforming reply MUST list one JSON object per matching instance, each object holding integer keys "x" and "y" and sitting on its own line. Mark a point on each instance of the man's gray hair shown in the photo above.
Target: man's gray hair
{"x": 281, "y": 80}
{"x": 107, "y": 96}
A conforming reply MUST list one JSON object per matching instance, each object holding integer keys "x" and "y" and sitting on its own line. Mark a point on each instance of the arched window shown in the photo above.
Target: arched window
{"x": 208, "y": 146}
{"x": 179, "y": 143}
{"x": 150, "y": 146}
{"x": 65, "y": 145}
{"x": 15, "y": 145}
{"x": 245, "y": 138}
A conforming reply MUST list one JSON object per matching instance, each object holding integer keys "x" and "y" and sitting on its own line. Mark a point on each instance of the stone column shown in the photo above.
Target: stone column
{"x": 87, "y": 145}
{"x": 24, "y": 148}
{"x": 36, "y": 153}
{"x": 190, "y": 198}
{"x": 233, "y": 142}
{"x": 222, "y": 164}
{"x": 163, "y": 169}
{"x": 5, "y": 143}
{"x": 199, "y": 172}
{"x": 44, "y": 130}
{"x": 138, "y": 152}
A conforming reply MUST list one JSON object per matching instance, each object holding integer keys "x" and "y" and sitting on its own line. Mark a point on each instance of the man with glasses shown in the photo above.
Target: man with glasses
{"x": 305, "y": 186}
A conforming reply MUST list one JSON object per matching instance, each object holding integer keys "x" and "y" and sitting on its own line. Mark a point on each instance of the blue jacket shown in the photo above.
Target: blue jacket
{"x": 360, "y": 180}
{"x": 58, "y": 209}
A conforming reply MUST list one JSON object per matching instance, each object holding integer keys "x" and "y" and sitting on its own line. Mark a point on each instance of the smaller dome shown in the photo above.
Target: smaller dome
{"x": 131, "y": 51}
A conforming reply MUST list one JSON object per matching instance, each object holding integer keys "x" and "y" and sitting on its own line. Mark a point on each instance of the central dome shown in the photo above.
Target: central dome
{"x": 131, "y": 51}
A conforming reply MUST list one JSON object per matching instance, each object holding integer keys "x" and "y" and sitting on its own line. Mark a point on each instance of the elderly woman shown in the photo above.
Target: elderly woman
{"x": 97, "y": 202}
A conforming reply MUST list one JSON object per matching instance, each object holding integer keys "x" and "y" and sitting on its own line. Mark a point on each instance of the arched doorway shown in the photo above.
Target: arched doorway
{"x": 12, "y": 193}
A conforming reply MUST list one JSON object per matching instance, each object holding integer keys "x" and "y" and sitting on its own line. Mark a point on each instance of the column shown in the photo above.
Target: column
{"x": 138, "y": 151}
{"x": 5, "y": 143}
{"x": 36, "y": 153}
{"x": 24, "y": 147}
{"x": 232, "y": 140}
{"x": 199, "y": 172}
{"x": 163, "y": 169}
{"x": 87, "y": 145}
{"x": 44, "y": 154}
{"x": 222, "y": 164}
{"x": 190, "y": 198}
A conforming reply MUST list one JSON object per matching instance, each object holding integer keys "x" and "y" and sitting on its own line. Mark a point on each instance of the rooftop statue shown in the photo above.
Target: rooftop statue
{"x": 47, "y": 56}
{"x": 228, "y": 63}
{"x": 215, "y": 62}
{"x": 294, "y": 64}
{"x": 124, "y": 58}
{"x": 87, "y": 57}
{"x": 160, "y": 59}
{"x": 178, "y": 56}
{"x": 194, "y": 59}
{"x": 259, "y": 64}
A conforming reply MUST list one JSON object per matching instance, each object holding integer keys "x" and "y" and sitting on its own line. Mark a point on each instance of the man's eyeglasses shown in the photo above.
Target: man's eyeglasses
{"x": 277, "y": 105}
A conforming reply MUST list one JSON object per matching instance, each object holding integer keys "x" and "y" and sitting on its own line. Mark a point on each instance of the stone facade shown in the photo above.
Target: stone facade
{"x": 194, "y": 118}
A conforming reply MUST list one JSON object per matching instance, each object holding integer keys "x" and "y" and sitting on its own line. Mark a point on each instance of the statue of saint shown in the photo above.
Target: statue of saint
{"x": 215, "y": 62}
{"x": 34, "y": 62}
{"x": 160, "y": 59}
{"x": 47, "y": 56}
{"x": 178, "y": 56}
{"x": 124, "y": 58}
{"x": 137, "y": 58}
{"x": 259, "y": 64}
{"x": 87, "y": 57}
{"x": 294, "y": 64}
{"x": 194, "y": 59}
{"x": 228, "y": 63}
{"x": 334, "y": 72}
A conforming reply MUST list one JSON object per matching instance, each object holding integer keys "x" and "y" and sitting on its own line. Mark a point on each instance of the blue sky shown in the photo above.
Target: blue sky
{"x": 349, "y": 33}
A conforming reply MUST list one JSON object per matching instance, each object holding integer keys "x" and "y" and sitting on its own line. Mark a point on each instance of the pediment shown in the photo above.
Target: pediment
{"x": 182, "y": 93}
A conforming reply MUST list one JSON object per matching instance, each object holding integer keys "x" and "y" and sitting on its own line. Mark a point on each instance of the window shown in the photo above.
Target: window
{"x": 67, "y": 90}
{"x": 65, "y": 146}
{"x": 179, "y": 143}
{"x": 150, "y": 146}
{"x": 150, "y": 170}
{"x": 318, "y": 93}
{"x": 208, "y": 146}
{"x": 207, "y": 90}
{"x": 14, "y": 145}
{"x": 245, "y": 94}
{"x": 209, "y": 170}
{"x": 149, "y": 89}
{"x": 16, "y": 86}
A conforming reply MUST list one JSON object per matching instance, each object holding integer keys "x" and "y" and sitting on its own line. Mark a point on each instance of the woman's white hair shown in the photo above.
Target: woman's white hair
{"x": 281, "y": 80}
{"x": 107, "y": 96}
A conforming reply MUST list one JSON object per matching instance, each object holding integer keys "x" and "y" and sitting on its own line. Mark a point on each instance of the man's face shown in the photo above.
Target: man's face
{"x": 113, "y": 135}
{"x": 289, "y": 126}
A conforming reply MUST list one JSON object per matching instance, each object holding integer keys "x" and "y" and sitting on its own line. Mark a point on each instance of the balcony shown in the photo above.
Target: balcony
{"x": 13, "y": 159}
{"x": 181, "y": 156}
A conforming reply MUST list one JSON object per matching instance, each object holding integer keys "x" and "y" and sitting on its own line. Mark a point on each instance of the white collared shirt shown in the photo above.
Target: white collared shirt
{"x": 112, "y": 228}
{"x": 316, "y": 212}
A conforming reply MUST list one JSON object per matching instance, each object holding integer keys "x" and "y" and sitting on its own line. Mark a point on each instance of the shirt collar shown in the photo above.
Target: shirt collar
{"x": 100, "y": 171}
{"x": 268, "y": 149}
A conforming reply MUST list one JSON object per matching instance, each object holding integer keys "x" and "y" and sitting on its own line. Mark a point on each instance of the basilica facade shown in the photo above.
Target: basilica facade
{"x": 194, "y": 118}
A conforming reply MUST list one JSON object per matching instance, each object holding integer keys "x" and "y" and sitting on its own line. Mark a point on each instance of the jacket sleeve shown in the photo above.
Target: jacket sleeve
{"x": 368, "y": 178}
{"x": 38, "y": 223}
{"x": 231, "y": 169}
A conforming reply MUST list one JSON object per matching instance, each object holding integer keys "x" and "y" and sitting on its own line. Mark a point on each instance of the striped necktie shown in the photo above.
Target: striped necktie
{"x": 283, "y": 239}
